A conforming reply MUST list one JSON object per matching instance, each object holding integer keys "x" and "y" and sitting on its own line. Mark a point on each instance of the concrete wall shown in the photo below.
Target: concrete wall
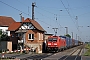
{"x": 3, "y": 45}
{"x": 9, "y": 46}
{"x": 6, "y": 45}
{"x": 37, "y": 46}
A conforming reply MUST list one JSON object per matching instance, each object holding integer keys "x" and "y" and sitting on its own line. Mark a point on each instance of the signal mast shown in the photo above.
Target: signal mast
{"x": 55, "y": 30}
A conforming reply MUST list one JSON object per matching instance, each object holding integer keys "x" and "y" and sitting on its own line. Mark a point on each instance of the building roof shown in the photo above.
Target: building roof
{"x": 35, "y": 23}
{"x": 16, "y": 25}
{"x": 6, "y": 21}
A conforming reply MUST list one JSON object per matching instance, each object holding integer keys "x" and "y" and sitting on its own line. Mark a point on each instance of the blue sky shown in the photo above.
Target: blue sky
{"x": 46, "y": 12}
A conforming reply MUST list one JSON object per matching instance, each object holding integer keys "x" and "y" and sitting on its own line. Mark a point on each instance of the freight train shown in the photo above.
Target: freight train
{"x": 58, "y": 43}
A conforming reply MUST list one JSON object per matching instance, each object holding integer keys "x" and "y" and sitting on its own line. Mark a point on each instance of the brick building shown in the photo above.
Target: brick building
{"x": 28, "y": 32}
{"x": 4, "y": 24}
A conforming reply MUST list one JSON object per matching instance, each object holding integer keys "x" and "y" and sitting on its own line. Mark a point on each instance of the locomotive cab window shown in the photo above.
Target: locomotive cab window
{"x": 52, "y": 39}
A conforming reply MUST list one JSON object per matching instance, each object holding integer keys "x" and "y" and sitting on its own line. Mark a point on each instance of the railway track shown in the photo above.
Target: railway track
{"x": 75, "y": 55}
{"x": 37, "y": 57}
{"x": 72, "y": 54}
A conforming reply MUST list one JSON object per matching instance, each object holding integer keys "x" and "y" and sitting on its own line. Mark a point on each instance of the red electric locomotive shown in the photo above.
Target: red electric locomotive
{"x": 55, "y": 43}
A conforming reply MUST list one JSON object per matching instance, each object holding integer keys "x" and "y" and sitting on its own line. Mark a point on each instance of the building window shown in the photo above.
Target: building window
{"x": 31, "y": 36}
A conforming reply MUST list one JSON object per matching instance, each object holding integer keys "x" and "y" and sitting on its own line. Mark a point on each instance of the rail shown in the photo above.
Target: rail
{"x": 75, "y": 55}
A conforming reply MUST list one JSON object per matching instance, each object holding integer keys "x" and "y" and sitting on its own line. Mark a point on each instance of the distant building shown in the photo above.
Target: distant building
{"x": 28, "y": 32}
{"x": 87, "y": 42}
{"x": 47, "y": 35}
{"x": 4, "y": 24}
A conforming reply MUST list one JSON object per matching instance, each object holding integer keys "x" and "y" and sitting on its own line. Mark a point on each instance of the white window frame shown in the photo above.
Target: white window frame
{"x": 31, "y": 37}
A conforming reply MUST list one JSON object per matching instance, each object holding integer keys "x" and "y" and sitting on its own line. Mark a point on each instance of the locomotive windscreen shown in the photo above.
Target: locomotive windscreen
{"x": 52, "y": 39}
{"x": 63, "y": 37}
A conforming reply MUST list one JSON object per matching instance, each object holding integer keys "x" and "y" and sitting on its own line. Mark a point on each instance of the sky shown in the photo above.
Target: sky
{"x": 74, "y": 14}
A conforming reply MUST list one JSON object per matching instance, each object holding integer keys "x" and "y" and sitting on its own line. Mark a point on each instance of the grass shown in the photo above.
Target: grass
{"x": 87, "y": 53}
{"x": 87, "y": 46}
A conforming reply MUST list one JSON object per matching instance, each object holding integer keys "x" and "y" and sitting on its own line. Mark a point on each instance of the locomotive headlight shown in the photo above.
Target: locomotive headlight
{"x": 55, "y": 44}
{"x": 49, "y": 43}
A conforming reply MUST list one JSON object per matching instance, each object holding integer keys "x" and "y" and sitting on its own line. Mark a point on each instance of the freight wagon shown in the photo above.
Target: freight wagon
{"x": 76, "y": 42}
{"x": 68, "y": 41}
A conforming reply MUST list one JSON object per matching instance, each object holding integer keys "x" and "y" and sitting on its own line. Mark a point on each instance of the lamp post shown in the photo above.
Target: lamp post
{"x": 21, "y": 45}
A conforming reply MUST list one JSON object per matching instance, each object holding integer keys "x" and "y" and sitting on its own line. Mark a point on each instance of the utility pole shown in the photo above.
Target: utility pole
{"x": 72, "y": 38}
{"x": 55, "y": 30}
{"x": 76, "y": 20}
{"x": 72, "y": 35}
{"x": 33, "y": 5}
{"x": 21, "y": 34}
{"x": 76, "y": 36}
{"x": 66, "y": 30}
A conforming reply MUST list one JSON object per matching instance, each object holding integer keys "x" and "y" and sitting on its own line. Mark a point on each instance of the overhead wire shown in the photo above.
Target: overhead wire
{"x": 20, "y": 11}
{"x": 28, "y": 10}
{"x": 68, "y": 12}
{"x": 53, "y": 13}
{"x": 39, "y": 13}
{"x": 59, "y": 25}
{"x": 70, "y": 16}
{"x": 44, "y": 22}
{"x": 76, "y": 18}
{"x": 13, "y": 7}
{"x": 44, "y": 15}
{"x": 70, "y": 7}
{"x": 45, "y": 10}
{"x": 48, "y": 12}
{"x": 72, "y": 13}
{"x": 25, "y": 5}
